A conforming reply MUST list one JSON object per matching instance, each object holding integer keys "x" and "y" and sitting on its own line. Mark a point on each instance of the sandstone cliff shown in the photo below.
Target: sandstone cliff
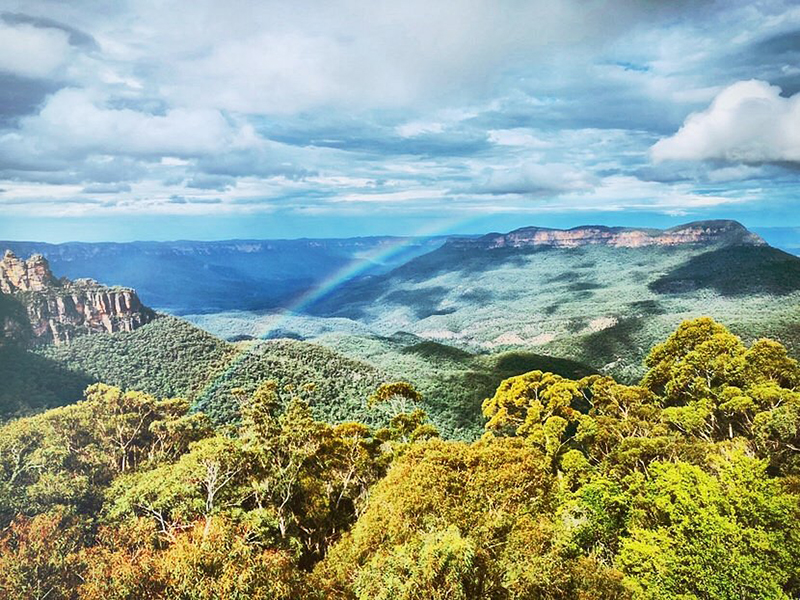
{"x": 720, "y": 232}
{"x": 36, "y": 308}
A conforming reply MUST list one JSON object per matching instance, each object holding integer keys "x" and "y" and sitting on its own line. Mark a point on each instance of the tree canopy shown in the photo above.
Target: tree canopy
{"x": 686, "y": 485}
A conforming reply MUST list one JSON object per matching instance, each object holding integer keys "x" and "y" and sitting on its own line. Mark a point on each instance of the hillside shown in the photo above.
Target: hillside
{"x": 454, "y": 322}
{"x": 593, "y": 294}
{"x": 453, "y": 382}
{"x": 335, "y": 386}
{"x": 32, "y": 382}
{"x": 170, "y": 357}
{"x": 167, "y": 357}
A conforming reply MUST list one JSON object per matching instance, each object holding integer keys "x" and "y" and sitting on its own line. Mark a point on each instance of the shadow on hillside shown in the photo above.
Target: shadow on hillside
{"x": 436, "y": 351}
{"x": 13, "y": 319}
{"x": 32, "y": 383}
{"x": 734, "y": 271}
{"x": 517, "y": 362}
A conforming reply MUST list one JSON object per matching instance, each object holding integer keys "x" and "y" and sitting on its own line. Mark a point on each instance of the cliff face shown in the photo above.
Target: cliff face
{"x": 38, "y": 309}
{"x": 699, "y": 233}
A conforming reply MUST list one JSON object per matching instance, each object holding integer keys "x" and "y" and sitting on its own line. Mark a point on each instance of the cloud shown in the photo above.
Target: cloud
{"x": 416, "y": 128}
{"x": 353, "y": 108}
{"x": 73, "y": 122}
{"x": 176, "y": 199}
{"x": 211, "y": 182}
{"x": 106, "y": 188}
{"x": 76, "y": 37}
{"x": 20, "y": 96}
{"x": 517, "y": 137}
{"x": 748, "y": 122}
{"x": 30, "y": 51}
{"x": 270, "y": 59}
{"x": 533, "y": 179}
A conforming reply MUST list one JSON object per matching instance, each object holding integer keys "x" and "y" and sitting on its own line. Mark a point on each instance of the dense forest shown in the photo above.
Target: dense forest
{"x": 686, "y": 485}
{"x": 171, "y": 357}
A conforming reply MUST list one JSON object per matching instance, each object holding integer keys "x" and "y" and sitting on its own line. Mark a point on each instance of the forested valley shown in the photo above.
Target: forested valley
{"x": 686, "y": 485}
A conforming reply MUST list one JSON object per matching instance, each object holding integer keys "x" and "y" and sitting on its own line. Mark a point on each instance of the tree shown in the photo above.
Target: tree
{"x": 449, "y": 505}
{"x": 38, "y": 557}
{"x": 206, "y": 481}
{"x": 725, "y": 535}
{"x": 441, "y": 565}
{"x": 543, "y": 407}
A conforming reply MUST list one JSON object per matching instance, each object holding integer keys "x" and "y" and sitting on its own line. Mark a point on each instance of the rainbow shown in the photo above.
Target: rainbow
{"x": 347, "y": 273}
{"x": 360, "y": 265}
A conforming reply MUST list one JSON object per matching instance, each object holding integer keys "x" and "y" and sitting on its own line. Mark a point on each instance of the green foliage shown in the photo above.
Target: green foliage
{"x": 665, "y": 490}
{"x": 167, "y": 357}
{"x": 462, "y": 521}
{"x": 453, "y": 382}
{"x": 335, "y": 386}
{"x": 66, "y": 457}
{"x": 735, "y": 271}
{"x": 730, "y": 533}
{"x": 685, "y": 486}
{"x": 170, "y": 357}
{"x": 31, "y": 383}
{"x": 438, "y": 565}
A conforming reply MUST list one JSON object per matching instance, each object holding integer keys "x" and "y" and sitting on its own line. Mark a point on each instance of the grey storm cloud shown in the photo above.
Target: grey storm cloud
{"x": 20, "y": 96}
{"x": 76, "y": 36}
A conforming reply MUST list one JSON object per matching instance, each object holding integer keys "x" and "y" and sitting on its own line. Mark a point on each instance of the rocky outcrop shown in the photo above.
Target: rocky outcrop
{"x": 56, "y": 310}
{"x": 32, "y": 275}
{"x": 726, "y": 233}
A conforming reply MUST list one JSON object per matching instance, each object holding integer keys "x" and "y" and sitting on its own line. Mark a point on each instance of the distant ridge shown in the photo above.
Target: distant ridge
{"x": 209, "y": 276}
{"x": 723, "y": 232}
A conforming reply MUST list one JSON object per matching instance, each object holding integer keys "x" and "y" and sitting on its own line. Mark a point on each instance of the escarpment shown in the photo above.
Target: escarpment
{"x": 37, "y": 308}
{"x": 721, "y": 232}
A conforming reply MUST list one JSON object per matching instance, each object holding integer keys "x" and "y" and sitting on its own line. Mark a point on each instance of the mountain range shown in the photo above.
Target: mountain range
{"x": 453, "y": 316}
{"x": 596, "y": 294}
{"x": 201, "y": 277}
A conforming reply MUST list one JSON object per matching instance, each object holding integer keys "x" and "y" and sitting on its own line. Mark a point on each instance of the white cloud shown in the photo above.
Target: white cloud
{"x": 314, "y": 105}
{"x": 269, "y": 58}
{"x": 416, "y": 128}
{"x": 748, "y": 122}
{"x": 32, "y": 51}
{"x": 517, "y": 137}
{"x": 73, "y": 122}
{"x": 536, "y": 178}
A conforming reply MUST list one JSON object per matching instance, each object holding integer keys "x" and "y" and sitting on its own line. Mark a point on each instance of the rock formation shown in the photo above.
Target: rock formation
{"x": 37, "y": 308}
{"x": 32, "y": 275}
{"x": 699, "y": 233}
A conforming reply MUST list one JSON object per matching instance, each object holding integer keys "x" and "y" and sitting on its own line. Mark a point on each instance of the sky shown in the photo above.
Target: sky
{"x": 152, "y": 119}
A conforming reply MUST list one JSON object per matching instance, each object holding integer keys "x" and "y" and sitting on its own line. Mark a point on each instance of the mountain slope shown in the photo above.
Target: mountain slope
{"x": 170, "y": 357}
{"x": 166, "y": 358}
{"x": 454, "y": 383}
{"x": 595, "y": 294}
